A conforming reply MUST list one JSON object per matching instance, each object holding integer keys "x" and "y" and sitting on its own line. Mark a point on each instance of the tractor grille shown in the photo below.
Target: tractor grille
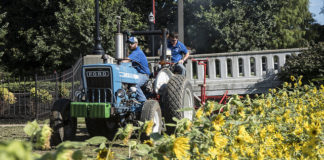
{"x": 99, "y": 84}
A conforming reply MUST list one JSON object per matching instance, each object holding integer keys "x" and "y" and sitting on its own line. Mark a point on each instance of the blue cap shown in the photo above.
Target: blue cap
{"x": 132, "y": 40}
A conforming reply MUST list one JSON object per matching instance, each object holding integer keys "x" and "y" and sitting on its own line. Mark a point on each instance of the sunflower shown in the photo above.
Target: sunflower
{"x": 180, "y": 147}
{"x": 149, "y": 127}
{"x": 199, "y": 113}
{"x": 127, "y": 133}
{"x": 218, "y": 122}
{"x": 314, "y": 129}
{"x": 149, "y": 142}
{"x": 220, "y": 141}
{"x": 102, "y": 154}
{"x": 212, "y": 151}
{"x": 239, "y": 141}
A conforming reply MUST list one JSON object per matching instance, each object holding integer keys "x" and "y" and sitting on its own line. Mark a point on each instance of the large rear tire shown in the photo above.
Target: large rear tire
{"x": 151, "y": 111}
{"x": 63, "y": 125}
{"x": 178, "y": 96}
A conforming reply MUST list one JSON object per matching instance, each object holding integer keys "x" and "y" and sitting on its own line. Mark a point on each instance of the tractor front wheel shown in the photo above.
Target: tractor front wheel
{"x": 151, "y": 111}
{"x": 63, "y": 125}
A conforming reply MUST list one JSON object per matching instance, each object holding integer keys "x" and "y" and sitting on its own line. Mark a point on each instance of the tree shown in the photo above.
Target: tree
{"x": 166, "y": 12}
{"x": 229, "y": 25}
{"x": 44, "y": 36}
{"x": 3, "y": 32}
{"x": 237, "y": 25}
{"x": 309, "y": 63}
{"x": 292, "y": 20}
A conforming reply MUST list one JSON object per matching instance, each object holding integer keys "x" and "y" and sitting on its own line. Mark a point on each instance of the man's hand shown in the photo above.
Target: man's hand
{"x": 181, "y": 61}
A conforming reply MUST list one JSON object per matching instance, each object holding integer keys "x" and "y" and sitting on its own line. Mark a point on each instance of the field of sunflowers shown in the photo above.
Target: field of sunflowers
{"x": 285, "y": 123}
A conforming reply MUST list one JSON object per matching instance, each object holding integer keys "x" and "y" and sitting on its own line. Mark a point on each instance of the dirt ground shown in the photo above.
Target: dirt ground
{"x": 10, "y": 130}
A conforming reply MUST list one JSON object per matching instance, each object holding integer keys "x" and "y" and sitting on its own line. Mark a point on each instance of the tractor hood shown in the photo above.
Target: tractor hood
{"x": 123, "y": 73}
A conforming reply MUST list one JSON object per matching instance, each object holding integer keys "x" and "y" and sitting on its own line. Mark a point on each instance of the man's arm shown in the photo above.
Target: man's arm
{"x": 184, "y": 58}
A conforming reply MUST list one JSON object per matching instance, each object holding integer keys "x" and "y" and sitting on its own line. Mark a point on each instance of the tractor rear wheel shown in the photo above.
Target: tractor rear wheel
{"x": 63, "y": 125}
{"x": 178, "y": 96}
{"x": 151, "y": 111}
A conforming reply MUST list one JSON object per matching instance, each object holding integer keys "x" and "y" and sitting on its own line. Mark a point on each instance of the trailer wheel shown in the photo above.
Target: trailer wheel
{"x": 178, "y": 96}
{"x": 151, "y": 111}
{"x": 101, "y": 127}
{"x": 63, "y": 125}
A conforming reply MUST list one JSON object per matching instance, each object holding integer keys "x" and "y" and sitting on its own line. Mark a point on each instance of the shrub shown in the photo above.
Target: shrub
{"x": 7, "y": 96}
{"x": 42, "y": 94}
{"x": 64, "y": 92}
{"x": 309, "y": 63}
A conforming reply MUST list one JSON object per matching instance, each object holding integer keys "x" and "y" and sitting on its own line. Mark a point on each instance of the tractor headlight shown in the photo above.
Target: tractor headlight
{"x": 120, "y": 93}
{"x": 133, "y": 89}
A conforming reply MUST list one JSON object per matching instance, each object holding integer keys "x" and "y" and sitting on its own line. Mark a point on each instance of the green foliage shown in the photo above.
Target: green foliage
{"x": 43, "y": 95}
{"x": 235, "y": 25}
{"x": 17, "y": 87}
{"x": 40, "y": 136}
{"x": 44, "y": 36}
{"x": 6, "y": 96}
{"x": 309, "y": 63}
{"x": 292, "y": 20}
{"x": 16, "y": 150}
{"x": 64, "y": 92}
{"x": 3, "y": 32}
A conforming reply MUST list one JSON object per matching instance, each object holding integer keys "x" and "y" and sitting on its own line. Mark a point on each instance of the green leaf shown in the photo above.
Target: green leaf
{"x": 132, "y": 143}
{"x": 102, "y": 145}
{"x": 143, "y": 149}
{"x": 238, "y": 103}
{"x": 156, "y": 136}
{"x": 69, "y": 144}
{"x": 97, "y": 140}
{"x": 77, "y": 155}
{"x": 31, "y": 128}
{"x": 171, "y": 124}
{"x": 175, "y": 119}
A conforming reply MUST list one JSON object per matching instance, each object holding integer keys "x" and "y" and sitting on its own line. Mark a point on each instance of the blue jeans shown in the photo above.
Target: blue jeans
{"x": 180, "y": 68}
{"x": 143, "y": 78}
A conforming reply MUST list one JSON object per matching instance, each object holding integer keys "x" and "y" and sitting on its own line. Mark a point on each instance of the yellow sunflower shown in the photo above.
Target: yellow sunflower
{"x": 180, "y": 147}
{"x": 199, "y": 113}
{"x": 149, "y": 127}
{"x": 102, "y": 154}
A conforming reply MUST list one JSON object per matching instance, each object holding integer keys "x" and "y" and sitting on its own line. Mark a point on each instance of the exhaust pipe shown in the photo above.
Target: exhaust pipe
{"x": 119, "y": 41}
{"x": 119, "y": 46}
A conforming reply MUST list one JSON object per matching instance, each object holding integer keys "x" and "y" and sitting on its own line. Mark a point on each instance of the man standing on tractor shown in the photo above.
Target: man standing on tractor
{"x": 178, "y": 49}
{"x": 139, "y": 62}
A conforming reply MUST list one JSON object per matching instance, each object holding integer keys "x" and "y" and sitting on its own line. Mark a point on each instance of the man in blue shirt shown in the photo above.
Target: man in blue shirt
{"x": 178, "y": 49}
{"x": 139, "y": 62}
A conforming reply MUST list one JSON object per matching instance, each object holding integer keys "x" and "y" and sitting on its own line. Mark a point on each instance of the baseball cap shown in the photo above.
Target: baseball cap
{"x": 132, "y": 40}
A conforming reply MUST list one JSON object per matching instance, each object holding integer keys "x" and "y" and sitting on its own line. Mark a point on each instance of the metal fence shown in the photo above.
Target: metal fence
{"x": 32, "y": 97}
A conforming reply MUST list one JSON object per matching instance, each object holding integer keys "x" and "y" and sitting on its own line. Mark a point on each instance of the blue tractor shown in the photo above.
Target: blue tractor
{"x": 107, "y": 99}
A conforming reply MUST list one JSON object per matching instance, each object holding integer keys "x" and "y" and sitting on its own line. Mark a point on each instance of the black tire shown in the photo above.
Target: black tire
{"x": 151, "y": 111}
{"x": 63, "y": 125}
{"x": 178, "y": 96}
{"x": 101, "y": 127}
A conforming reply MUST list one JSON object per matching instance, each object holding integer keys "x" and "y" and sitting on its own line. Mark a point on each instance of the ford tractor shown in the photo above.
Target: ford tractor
{"x": 107, "y": 98}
